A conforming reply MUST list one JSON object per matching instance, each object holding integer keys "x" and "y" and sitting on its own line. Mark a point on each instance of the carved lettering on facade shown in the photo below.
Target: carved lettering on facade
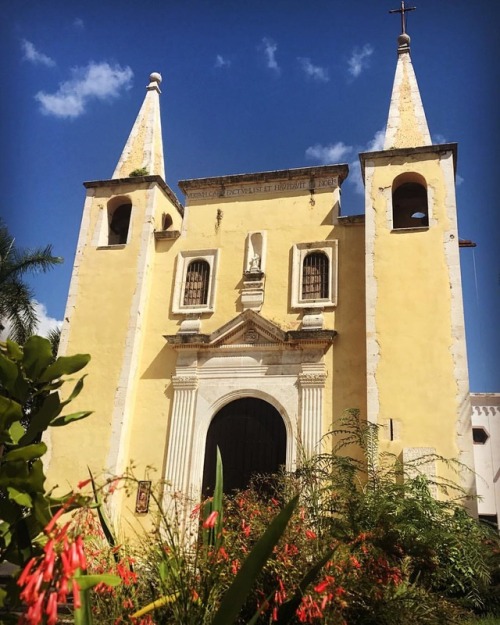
{"x": 271, "y": 187}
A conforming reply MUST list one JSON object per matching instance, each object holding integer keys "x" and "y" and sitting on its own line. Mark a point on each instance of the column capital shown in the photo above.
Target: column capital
{"x": 189, "y": 382}
{"x": 312, "y": 379}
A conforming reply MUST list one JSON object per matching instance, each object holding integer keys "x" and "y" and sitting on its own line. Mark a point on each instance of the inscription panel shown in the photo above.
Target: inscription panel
{"x": 263, "y": 188}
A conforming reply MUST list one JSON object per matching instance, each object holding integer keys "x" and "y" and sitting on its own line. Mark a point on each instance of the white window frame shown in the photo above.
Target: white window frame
{"x": 183, "y": 260}
{"x": 299, "y": 252}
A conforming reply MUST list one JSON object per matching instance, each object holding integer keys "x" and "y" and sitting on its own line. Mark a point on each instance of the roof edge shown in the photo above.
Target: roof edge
{"x": 341, "y": 170}
{"x": 112, "y": 182}
{"x": 424, "y": 149}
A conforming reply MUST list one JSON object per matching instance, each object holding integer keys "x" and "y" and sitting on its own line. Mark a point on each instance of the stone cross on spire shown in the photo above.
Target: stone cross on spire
{"x": 403, "y": 10}
{"x": 406, "y": 124}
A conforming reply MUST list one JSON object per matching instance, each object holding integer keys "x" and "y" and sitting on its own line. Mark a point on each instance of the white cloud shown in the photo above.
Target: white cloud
{"x": 336, "y": 152}
{"x": 438, "y": 139}
{"x": 45, "y": 322}
{"x": 377, "y": 143}
{"x": 314, "y": 71}
{"x": 97, "y": 81}
{"x": 31, "y": 54}
{"x": 360, "y": 60}
{"x": 374, "y": 145}
{"x": 355, "y": 177}
{"x": 459, "y": 180}
{"x": 220, "y": 61}
{"x": 327, "y": 154}
{"x": 79, "y": 23}
{"x": 269, "y": 46}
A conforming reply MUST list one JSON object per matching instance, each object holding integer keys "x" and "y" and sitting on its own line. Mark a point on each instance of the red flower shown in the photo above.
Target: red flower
{"x": 310, "y": 535}
{"x": 83, "y": 483}
{"x": 209, "y": 522}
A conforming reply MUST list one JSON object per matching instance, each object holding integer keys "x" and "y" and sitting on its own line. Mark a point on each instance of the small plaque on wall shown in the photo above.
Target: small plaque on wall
{"x": 143, "y": 495}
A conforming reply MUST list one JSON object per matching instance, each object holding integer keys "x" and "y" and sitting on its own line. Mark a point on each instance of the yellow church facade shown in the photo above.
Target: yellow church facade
{"x": 253, "y": 314}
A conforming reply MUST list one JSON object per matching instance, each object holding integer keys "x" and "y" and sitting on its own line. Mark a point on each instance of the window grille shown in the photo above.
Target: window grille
{"x": 315, "y": 276}
{"x": 196, "y": 288}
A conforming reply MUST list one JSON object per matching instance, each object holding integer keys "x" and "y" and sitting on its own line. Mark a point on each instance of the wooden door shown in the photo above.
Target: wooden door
{"x": 251, "y": 436}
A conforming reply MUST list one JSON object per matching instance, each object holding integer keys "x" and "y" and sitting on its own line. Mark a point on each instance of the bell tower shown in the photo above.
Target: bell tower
{"x": 109, "y": 292}
{"x": 417, "y": 377}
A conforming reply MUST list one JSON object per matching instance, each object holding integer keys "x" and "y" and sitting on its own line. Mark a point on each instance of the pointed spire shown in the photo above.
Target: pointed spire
{"x": 144, "y": 147}
{"x": 406, "y": 125}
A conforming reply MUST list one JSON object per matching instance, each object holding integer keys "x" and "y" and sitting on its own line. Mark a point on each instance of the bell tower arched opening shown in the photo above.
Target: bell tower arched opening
{"x": 251, "y": 436}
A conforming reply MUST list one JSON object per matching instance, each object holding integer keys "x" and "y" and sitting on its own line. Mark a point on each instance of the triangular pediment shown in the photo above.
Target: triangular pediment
{"x": 247, "y": 328}
{"x": 250, "y": 329}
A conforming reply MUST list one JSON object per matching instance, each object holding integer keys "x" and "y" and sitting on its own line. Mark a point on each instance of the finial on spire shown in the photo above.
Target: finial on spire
{"x": 154, "y": 82}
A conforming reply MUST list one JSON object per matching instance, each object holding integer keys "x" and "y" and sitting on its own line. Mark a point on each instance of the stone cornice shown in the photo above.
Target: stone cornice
{"x": 93, "y": 184}
{"x": 406, "y": 152}
{"x": 340, "y": 171}
{"x": 273, "y": 336}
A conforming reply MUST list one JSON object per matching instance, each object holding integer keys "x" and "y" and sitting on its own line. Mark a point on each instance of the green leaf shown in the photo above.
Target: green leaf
{"x": 76, "y": 391}
{"x": 83, "y": 615}
{"x": 16, "y": 430}
{"x": 17, "y": 475}
{"x": 10, "y": 412}
{"x": 14, "y": 352}
{"x": 41, "y": 509}
{"x": 252, "y": 566}
{"x": 65, "y": 365}
{"x": 51, "y": 407}
{"x": 8, "y": 373}
{"x": 85, "y": 582}
{"x": 65, "y": 419}
{"x": 28, "y": 453}
{"x": 22, "y": 499}
{"x": 37, "y": 356}
{"x": 103, "y": 519}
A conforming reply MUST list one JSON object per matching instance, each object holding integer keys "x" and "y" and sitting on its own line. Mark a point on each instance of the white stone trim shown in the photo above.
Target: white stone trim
{"x": 312, "y": 383}
{"x": 73, "y": 287}
{"x": 372, "y": 345}
{"x": 183, "y": 260}
{"x": 205, "y": 381}
{"x": 458, "y": 347}
{"x": 122, "y": 410}
{"x": 299, "y": 252}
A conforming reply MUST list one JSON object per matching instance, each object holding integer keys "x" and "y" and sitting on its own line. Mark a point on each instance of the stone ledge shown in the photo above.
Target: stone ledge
{"x": 167, "y": 234}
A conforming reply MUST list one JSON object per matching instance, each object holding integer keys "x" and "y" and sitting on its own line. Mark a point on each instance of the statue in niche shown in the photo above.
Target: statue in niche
{"x": 254, "y": 265}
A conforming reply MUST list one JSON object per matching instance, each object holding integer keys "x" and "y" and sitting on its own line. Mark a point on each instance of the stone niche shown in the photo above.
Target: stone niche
{"x": 252, "y": 293}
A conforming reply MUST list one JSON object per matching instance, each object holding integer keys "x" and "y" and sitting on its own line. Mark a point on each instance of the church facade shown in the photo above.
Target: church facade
{"x": 253, "y": 314}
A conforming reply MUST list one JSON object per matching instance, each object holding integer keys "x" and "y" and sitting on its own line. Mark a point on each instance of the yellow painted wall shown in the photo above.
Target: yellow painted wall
{"x": 287, "y": 220}
{"x": 99, "y": 311}
{"x": 410, "y": 292}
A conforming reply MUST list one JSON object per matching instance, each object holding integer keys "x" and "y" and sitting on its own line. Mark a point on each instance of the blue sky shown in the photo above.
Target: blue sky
{"x": 246, "y": 87}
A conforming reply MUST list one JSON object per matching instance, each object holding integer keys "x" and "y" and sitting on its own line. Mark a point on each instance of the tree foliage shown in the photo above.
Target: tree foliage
{"x": 16, "y": 296}
{"x": 30, "y": 381}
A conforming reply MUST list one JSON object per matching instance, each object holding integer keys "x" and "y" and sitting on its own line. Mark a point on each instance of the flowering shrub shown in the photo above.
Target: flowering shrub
{"x": 363, "y": 543}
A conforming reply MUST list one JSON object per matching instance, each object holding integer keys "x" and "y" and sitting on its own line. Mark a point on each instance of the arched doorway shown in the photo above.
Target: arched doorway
{"x": 251, "y": 436}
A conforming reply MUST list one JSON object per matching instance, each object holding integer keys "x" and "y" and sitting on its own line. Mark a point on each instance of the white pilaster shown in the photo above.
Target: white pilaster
{"x": 181, "y": 434}
{"x": 312, "y": 384}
